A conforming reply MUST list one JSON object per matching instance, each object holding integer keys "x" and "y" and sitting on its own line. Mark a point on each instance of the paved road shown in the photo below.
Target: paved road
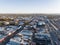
{"x": 53, "y": 34}
{"x": 5, "y": 40}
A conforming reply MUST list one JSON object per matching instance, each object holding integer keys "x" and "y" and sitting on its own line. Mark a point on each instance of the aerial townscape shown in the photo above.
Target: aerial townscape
{"x": 29, "y": 29}
{"x": 29, "y": 22}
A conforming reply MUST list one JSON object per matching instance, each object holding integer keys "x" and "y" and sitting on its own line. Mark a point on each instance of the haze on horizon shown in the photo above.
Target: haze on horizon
{"x": 30, "y": 6}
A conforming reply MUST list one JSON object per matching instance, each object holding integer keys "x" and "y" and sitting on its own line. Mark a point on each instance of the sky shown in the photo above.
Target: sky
{"x": 29, "y": 6}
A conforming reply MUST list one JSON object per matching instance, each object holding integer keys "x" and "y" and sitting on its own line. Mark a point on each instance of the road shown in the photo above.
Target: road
{"x": 52, "y": 30}
{"x": 5, "y": 40}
